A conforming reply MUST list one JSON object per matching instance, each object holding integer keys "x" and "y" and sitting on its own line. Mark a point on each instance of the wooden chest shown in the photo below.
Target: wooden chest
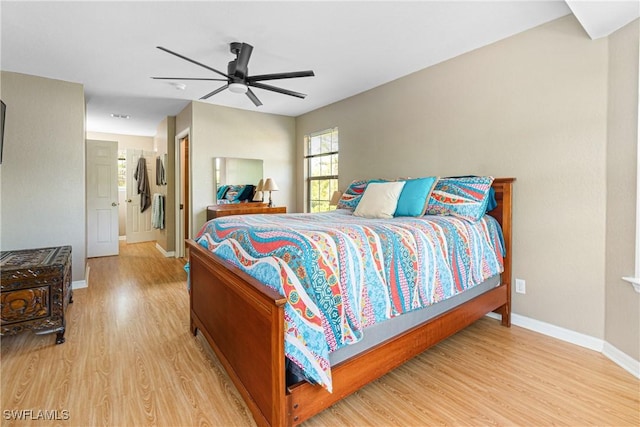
{"x": 35, "y": 290}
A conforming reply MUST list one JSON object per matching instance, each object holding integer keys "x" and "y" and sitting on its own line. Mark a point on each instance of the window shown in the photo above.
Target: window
{"x": 322, "y": 169}
{"x": 635, "y": 281}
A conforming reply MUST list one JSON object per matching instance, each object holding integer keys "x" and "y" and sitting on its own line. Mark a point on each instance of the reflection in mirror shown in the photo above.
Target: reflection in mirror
{"x": 236, "y": 179}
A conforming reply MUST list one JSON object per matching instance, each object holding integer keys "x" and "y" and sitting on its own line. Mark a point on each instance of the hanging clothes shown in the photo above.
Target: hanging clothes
{"x": 143, "y": 184}
{"x": 160, "y": 177}
{"x": 157, "y": 211}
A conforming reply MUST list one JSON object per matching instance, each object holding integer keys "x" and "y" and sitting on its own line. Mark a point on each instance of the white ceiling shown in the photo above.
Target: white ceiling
{"x": 352, "y": 46}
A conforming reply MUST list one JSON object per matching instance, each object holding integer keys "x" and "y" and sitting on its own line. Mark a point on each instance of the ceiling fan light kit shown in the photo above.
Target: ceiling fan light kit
{"x": 237, "y": 77}
{"x": 238, "y": 87}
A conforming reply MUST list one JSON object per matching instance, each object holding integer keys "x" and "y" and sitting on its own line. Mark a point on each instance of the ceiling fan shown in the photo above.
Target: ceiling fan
{"x": 237, "y": 77}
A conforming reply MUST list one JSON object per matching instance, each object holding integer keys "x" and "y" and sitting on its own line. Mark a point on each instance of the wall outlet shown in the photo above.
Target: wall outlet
{"x": 521, "y": 286}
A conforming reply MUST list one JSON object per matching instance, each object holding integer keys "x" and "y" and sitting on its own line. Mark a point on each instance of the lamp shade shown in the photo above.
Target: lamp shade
{"x": 257, "y": 197}
{"x": 270, "y": 185}
{"x": 335, "y": 198}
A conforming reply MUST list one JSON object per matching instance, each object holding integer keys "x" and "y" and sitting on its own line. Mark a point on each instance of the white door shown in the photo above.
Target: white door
{"x": 139, "y": 227}
{"x": 102, "y": 198}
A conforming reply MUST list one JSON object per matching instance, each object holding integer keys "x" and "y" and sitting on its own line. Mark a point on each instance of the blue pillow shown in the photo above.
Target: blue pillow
{"x": 414, "y": 196}
{"x": 222, "y": 191}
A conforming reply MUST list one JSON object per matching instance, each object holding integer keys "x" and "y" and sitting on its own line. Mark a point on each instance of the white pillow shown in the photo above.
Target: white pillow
{"x": 379, "y": 200}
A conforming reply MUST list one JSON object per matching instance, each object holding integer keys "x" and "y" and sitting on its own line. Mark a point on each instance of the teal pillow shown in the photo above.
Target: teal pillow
{"x": 414, "y": 196}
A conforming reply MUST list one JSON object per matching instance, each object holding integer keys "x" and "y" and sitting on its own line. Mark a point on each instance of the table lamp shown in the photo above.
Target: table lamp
{"x": 270, "y": 185}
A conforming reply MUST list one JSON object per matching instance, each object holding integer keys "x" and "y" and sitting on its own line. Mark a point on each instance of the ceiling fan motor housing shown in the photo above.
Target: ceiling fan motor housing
{"x": 231, "y": 70}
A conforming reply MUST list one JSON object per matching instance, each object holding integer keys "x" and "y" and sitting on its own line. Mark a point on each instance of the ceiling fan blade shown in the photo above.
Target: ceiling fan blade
{"x": 192, "y": 61}
{"x": 243, "y": 60}
{"x": 189, "y": 78}
{"x": 277, "y": 89}
{"x": 210, "y": 94}
{"x": 277, "y": 76}
{"x": 252, "y": 96}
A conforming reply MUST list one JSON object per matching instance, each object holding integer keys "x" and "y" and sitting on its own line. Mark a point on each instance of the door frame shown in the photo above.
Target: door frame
{"x": 180, "y": 187}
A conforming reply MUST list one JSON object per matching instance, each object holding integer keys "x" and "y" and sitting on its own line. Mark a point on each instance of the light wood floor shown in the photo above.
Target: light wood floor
{"x": 129, "y": 360}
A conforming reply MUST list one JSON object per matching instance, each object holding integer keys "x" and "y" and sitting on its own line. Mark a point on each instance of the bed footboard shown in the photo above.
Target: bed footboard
{"x": 243, "y": 321}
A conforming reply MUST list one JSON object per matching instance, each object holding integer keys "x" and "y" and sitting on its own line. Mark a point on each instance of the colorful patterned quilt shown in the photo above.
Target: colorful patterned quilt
{"x": 342, "y": 273}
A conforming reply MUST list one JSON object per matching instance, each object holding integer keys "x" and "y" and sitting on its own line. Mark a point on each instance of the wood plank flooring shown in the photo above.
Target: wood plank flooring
{"x": 129, "y": 360}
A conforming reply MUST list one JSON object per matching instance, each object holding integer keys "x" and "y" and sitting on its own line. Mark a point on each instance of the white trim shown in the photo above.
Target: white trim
{"x": 621, "y": 359}
{"x": 554, "y": 331}
{"x": 122, "y": 237}
{"x": 165, "y": 253}
{"x": 79, "y": 284}
{"x": 635, "y": 281}
{"x": 638, "y": 182}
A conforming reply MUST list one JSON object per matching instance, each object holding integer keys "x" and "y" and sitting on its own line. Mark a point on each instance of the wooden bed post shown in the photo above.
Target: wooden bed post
{"x": 503, "y": 213}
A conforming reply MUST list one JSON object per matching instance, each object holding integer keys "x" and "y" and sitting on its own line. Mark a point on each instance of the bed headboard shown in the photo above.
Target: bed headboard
{"x": 504, "y": 197}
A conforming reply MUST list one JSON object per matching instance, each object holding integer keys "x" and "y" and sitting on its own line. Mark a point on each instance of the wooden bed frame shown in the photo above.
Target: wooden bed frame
{"x": 227, "y": 305}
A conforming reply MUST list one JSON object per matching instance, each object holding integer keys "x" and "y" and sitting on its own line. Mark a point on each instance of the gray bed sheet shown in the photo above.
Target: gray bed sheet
{"x": 382, "y": 331}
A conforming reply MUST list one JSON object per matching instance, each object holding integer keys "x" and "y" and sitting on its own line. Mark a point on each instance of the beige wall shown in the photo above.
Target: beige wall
{"x": 622, "y": 321}
{"x": 124, "y": 141}
{"x": 43, "y": 166}
{"x": 228, "y": 132}
{"x": 163, "y": 144}
{"x": 533, "y": 107}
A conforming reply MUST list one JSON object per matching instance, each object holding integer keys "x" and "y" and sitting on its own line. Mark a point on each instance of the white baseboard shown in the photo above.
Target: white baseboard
{"x": 165, "y": 253}
{"x": 79, "y": 284}
{"x": 625, "y": 361}
{"x": 122, "y": 237}
{"x": 554, "y": 331}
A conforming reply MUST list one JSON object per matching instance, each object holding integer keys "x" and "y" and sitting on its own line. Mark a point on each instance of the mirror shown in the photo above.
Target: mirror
{"x": 235, "y": 172}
